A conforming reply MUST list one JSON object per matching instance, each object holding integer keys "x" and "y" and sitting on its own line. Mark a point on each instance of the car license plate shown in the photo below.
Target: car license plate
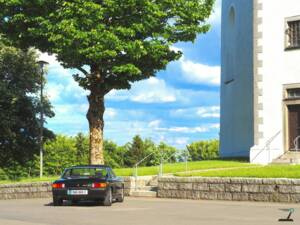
{"x": 77, "y": 192}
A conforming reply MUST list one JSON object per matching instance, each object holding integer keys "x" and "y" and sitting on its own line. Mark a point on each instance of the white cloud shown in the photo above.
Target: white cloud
{"x": 198, "y": 73}
{"x": 110, "y": 113}
{"x": 194, "y": 112}
{"x": 215, "y": 126}
{"x": 154, "y": 124}
{"x": 182, "y": 141}
{"x": 152, "y": 90}
{"x": 215, "y": 17}
{"x": 60, "y": 81}
{"x": 183, "y": 129}
{"x": 209, "y": 112}
{"x": 54, "y": 91}
{"x": 51, "y": 59}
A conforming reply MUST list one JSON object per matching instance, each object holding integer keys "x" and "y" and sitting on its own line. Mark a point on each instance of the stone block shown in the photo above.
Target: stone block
{"x": 233, "y": 187}
{"x": 286, "y": 189}
{"x": 250, "y": 188}
{"x": 295, "y": 198}
{"x": 169, "y": 186}
{"x": 277, "y": 181}
{"x": 277, "y": 197}
{"x": 217, "y": 180}
{"x": 200, "y": 187}
{"x": 245, "y": 181}
{"x": 268, "y": 188}
{"x": 295, "y": 181}
{"x": 185, "y": 186}
{"x": 196, "y": 195}
{"x": 200, "y": 179}
{"x": 259, "y": 197}
{"x": 240, "y": 196}
{"x": 253, "y": 180}
{"x": 160, "y": 185}
{"x": 167, "y": 179}
{"x": 217, "y": 187}
{"x": 224, "y": 196}
{"x": 208, "y": 196}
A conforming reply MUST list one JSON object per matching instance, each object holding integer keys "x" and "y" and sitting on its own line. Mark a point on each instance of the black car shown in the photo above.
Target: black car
{"x": 92, "y": 182}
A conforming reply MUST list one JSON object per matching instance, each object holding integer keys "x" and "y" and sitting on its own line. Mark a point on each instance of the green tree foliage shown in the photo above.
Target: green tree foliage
{"x": 82, "y": 148}
{"x": 19, "y": 107}
{"x": 135, "y": 151}
{"x": 64, "y": 151}
{"x": 140, "y": 148}
{"x": 122, "y": 41}
{"x": 203, "y": 150}
{"x": 59, "y": 154}
{"x": 114, "y": 154}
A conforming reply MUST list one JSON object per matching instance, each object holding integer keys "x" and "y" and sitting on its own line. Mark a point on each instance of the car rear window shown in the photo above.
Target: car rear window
{"x": 85, "y": 172}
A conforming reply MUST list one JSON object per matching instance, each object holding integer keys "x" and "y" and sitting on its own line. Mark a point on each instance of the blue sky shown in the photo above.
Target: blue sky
{"x": 178, "y": 106}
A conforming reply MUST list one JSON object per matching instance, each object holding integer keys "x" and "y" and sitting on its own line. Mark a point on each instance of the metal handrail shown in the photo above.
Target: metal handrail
{"x": 162, "y": 160}
{"x": 136, "y": 168}
{"x": 267, "y": 146}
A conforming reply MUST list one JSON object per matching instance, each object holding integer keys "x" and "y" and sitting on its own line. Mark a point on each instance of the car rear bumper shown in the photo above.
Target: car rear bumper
{"x": 93, "y": 194}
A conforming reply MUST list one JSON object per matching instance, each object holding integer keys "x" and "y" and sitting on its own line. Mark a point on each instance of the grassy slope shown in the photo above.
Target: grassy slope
{"x": 168, "y": 168}
{"x": 27, "y": 180}
{"x": 272, "y": 171}
{"x": 181, "y": 167}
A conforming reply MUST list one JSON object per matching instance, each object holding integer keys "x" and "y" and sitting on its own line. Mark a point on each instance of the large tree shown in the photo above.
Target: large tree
{"x": 112, "y": 42}
{"x": 20, "y": 80}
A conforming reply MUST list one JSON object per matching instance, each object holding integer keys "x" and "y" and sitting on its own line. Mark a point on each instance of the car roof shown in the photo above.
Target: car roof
{"x": 89, "y": 166}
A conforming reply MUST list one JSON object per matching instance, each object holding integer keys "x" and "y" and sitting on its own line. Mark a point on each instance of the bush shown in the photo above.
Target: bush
{"x": 204, "y": 150}
{"x": 3, "y": 175}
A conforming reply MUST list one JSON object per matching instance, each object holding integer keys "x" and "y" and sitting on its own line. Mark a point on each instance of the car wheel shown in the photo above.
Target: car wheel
{"x": 108, "y": 198}
{"x": 121, "y": 198}
{"x": 57, "y": 201}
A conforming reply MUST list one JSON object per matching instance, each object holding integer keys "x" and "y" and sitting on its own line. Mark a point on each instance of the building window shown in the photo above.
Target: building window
{"x": 293, "y": 93}
{"x": 232, "y": 16}
{"x": 293, "y": 34}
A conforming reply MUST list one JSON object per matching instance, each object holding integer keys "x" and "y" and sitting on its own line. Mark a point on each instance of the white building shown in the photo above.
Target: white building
{"x": 260, "y": 90}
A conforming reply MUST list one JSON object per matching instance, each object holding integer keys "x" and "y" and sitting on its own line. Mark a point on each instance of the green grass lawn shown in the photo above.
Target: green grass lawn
{"x": 213, "y": 168}
{"x": 272, "y": 171}
{"x": 27, "y": 180}
{"x": 181, "y": 167}
{"x": 167, "y": 168}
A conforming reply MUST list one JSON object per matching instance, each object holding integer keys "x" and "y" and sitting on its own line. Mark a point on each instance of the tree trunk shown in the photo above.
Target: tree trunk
{"x": 96, "y": 125}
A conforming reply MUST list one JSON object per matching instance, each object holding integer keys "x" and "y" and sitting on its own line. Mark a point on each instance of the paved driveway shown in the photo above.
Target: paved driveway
{"x": 143, "y": 211}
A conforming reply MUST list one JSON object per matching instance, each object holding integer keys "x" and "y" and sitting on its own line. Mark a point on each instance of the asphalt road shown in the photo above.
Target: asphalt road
{"x": 143, "y": 211}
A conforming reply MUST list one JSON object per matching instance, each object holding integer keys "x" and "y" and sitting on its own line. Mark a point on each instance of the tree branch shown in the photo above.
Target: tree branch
{"x": 82, "y": 70}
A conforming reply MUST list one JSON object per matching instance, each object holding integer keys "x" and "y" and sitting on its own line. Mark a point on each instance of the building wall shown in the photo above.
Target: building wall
{"x": 278, "y": 67}
{"x": 237, "y": 125}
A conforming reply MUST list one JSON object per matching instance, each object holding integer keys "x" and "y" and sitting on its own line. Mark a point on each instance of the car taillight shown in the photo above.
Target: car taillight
{"x": 99, "y": 185}
{"x": 58, "y": 185}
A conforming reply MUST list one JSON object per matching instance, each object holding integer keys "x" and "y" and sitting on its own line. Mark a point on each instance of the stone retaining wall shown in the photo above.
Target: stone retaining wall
{"x": 28, "y": 190}
{"x": 233, "y": 189}
{"x": 42, "y": 189}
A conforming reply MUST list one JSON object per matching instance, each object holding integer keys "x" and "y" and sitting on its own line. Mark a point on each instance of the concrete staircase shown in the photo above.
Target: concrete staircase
{"x": 145, "y": 187}
{"x": 291, "y": 158}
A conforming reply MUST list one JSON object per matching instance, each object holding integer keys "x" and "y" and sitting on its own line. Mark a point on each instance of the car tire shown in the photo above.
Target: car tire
{"x": 57, "y": 201}
{"x": 108, "y": 198}
{"x": 121, "y": 198}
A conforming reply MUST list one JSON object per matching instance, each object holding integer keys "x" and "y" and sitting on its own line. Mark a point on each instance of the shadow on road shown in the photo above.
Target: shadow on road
{"x": 77, "y": 204}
